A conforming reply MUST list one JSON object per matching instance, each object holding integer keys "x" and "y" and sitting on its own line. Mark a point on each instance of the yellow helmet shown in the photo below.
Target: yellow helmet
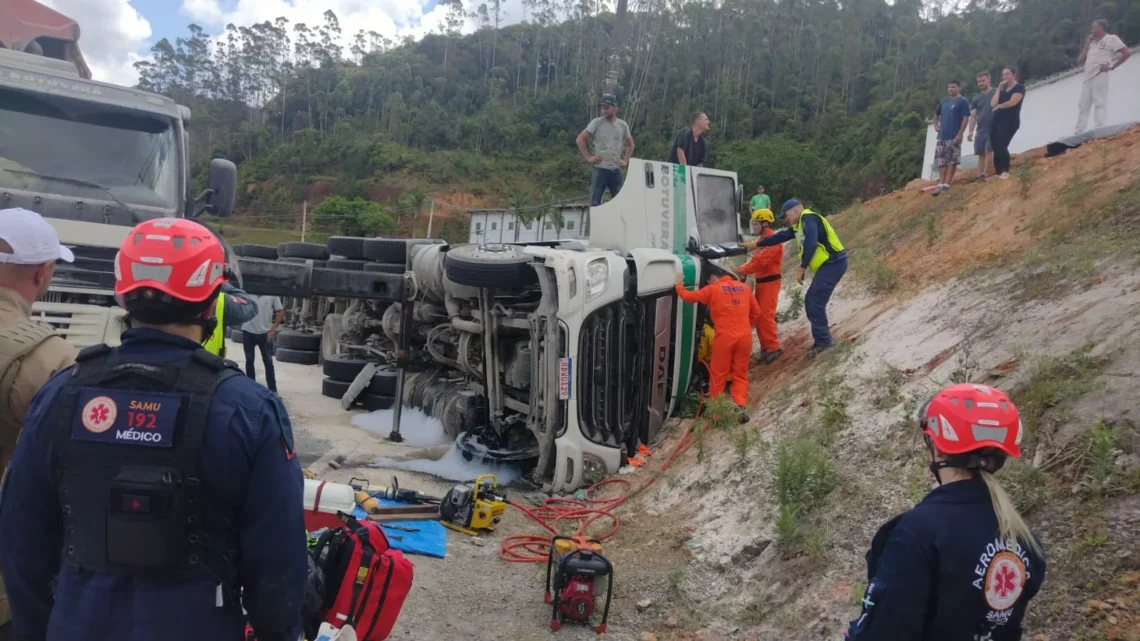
{"x": 764, "y": 215}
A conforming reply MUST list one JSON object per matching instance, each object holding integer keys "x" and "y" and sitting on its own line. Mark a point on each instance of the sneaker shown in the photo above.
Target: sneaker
{"x": 983, "y": 178}
{"x": 770, "y": 357}
{"x": 817, "y": 349}
{"x": 939, "y": 189}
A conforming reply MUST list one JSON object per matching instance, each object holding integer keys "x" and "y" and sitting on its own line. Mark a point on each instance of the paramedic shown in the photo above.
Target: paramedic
{"x": 734, "y": 312}
{"x": 154, "y": 493}
{"x": 765, "y": 265}
{"x": 821, "y": 253}
{"x": 962, "y": 564}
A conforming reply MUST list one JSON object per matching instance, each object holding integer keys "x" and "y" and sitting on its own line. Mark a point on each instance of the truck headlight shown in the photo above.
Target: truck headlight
{"x": 597, "y": 278}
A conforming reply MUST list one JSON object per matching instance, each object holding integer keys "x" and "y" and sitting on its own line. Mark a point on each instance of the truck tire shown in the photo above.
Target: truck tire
{"x": 346, "y": 246}
{"x": 373, "y": 402}
{"x": 304, "y": 261}
{"x": 348, "y": 284}
{"x": 298, "y": 356}
{"x": 385, "y": 268}
{"x": 346, "y": 264}
{"x": 383, "y": 382}
{"x": 266, "y": 252}
{"x": 386, "y": 250}
{"x": 499, "y": 266}
{"x": 343, "y": 368}
{"x": 331, "y": 332}
{"x": 303, "y": 250}
{"x": 293, "y": 339}
{"x": 333, "y": 388}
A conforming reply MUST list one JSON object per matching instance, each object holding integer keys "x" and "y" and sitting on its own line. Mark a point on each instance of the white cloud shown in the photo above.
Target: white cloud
{"x": 111, "y": 33}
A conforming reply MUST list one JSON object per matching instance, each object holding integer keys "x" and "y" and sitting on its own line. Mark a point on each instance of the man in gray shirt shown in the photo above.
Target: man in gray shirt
{"x": 260, "y": 332}
{"x": 981, "y": 116}
{"x": 613, "y": 147}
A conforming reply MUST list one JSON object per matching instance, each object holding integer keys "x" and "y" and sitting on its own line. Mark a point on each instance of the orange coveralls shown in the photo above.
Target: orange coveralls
{"x": 733, "y": 313}
{"x": 765, "y": 265}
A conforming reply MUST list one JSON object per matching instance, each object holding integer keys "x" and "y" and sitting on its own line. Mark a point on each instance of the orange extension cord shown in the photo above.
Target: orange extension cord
{"x": 535, "y": 548}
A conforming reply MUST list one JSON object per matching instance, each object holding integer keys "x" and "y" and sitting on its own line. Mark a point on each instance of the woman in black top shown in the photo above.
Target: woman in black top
{"x": 1006, "y": 104}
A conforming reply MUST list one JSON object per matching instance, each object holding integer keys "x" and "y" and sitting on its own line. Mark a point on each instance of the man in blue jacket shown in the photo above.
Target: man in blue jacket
{"x": 821, "y": 253}
{"x": 154, "y": 493}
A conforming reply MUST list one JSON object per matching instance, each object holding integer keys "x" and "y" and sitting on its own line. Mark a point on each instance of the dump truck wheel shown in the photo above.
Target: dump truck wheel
{"x": 266, "y": 252}
{"x": 303, "y": 250}
{"x": 343, "y": 368}
{"x": 346, "y": 264}
{"x": 346, "y": 246}
{"x": 298, "y": 356}
{"x": 383, "y": 382}
{"x": 292, "y": 339}
{"x": 304, "y": 261}
{"x": 499, "y": 266}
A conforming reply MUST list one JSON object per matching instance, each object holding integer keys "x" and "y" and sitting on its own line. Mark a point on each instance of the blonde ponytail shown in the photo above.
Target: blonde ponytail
{"x": 1010, "y": 524}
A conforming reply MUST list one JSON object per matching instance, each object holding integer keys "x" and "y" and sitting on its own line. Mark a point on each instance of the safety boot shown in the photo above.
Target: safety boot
{"x": 770, "y": 357}
{"x": 743, "y": 414}
{"x": 818, "y": 349}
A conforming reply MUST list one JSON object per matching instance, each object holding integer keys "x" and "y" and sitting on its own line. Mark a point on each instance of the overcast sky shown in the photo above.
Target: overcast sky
{"x": 118, "y": 33}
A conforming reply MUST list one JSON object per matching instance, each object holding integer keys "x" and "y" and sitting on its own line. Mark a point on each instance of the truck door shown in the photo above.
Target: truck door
{"x": 655, "y": 270}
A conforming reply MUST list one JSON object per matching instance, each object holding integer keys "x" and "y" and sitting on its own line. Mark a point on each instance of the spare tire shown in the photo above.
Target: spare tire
{"x": 256, "y": 251}
{"x": 385, "y": 268}
{"x": 293, "y": 339}
{"x": 499, "y": 266}
{"x": 346, "y": 246}
{"x": 343, "y": 368}
{"x": 298, "y": 356}
{"x": 386, "y": 250}
{"x": 346, "y": 263}
{"x": 303, "y": 250}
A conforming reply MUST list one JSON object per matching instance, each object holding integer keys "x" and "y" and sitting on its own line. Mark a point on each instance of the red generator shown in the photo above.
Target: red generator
{"x": 574, "y": 572}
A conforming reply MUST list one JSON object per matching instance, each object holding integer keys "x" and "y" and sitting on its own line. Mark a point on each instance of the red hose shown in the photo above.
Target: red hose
{"x": 535, "y": 548}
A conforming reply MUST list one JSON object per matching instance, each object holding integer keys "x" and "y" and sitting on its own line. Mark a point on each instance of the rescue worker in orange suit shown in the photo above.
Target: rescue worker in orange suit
{"x": 765, "y": 265}
{"x": 734, "y": 312}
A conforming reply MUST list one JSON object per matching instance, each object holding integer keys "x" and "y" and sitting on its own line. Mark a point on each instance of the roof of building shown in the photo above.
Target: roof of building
{"x": 1061, "y": 75}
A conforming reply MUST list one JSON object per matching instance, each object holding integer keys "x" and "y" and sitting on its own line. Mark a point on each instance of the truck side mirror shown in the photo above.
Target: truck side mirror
{"x": 222, "y": 184}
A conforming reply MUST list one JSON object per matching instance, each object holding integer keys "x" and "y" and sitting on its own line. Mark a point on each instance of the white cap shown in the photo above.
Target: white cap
{"x": 33, "y": 239}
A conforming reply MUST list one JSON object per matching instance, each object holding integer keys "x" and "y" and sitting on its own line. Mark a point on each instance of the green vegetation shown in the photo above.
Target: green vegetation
{"x": 795, "y": 306}
{"x": 804, "y": 477}
{"x": 1054, "y": 381}
{"x": 353, "y": 217}
{"x": 676, "y": 577}
{"x": 887, "y": 387}
{"x": 1025, "y": 485}
{"x": 1026, "y": 176}
{"x": 874, "y": 272}
{"x": 832, "y": 397}
{"x": 1098, "y": 446}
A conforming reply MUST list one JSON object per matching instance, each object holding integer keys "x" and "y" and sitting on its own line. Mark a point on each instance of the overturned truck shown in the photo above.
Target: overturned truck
{"x": 559, "y": 356}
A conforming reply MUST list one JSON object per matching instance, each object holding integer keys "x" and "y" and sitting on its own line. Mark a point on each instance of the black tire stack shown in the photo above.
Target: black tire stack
{"x": 301, "y": 348}
{"x": 377, "y": 255}
{"x": 340, "y": 371}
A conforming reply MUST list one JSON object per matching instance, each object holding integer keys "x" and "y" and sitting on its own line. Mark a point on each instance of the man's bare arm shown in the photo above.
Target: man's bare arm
{"x": 628, "y": 150}
{"x": 582, "y": 138}
{"x": 681, "y": 159}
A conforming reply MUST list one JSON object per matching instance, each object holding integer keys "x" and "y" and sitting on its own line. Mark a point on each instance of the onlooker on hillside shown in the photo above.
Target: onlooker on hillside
{"x": 950, "y": 118}
{"x": 760, "y": 201}
{"x": 1006, "y": 103}
{"x": 1103, "y": 52}
{"x": 613, "y": 147}
{"x": 981, "y": 118}
{"x": 689, "y": 147}
{"x": 260, "y": 333}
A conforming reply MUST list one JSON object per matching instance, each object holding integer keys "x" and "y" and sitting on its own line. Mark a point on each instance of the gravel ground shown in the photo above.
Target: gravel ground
{"x": 470, "y": 594}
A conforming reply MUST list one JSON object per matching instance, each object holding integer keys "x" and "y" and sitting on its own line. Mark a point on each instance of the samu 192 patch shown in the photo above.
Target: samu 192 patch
{"x": 124, "y": 417}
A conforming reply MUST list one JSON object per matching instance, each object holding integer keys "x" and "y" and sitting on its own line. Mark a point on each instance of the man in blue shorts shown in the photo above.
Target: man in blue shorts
{"x": 981, "y": 116}
{"x": 950, "y": 118}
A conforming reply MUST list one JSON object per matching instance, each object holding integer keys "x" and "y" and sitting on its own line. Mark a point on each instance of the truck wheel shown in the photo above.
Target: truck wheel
{"x": 303, "y": 250}
{"x": 292, "y": 339}
{"x": 346, "y": 264}
{"x": 383, "y": 382}
{"x": 267, "y": 252}
{"x": 298, "y": 356}
{"x": 385, "y": 268}
{"x": 347, "y": 284}
{"x": 333, "y": 388}
{"x": 331, "y": 332}
{"x": 373, "y": 402}
{"x": 343, "y": 368}
{"x": 346, "y": 246}
{"x": 499, "y": 266}
{"x": 386, "y": 250}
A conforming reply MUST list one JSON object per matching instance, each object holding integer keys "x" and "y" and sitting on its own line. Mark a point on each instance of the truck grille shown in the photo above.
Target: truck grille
{"x": 94, "y": 268}
{"x": 81, "y": 325}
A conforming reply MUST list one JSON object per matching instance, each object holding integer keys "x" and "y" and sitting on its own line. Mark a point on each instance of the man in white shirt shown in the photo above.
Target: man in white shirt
{"x": 1103, "y": 52}
{"x": 260, "y": 332}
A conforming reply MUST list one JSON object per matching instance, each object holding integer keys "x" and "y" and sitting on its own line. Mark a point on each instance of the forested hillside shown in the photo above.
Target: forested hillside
{"x": 821, "y": 98}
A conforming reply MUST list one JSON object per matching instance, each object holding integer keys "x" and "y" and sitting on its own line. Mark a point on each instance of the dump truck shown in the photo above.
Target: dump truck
{"x": 561, "y": 357}
{"x": 94, "y": 159}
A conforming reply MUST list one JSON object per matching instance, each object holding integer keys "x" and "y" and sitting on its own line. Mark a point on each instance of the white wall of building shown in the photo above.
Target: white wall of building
{"x": 498, "y": 226}
{"x": 1050, "y": 111}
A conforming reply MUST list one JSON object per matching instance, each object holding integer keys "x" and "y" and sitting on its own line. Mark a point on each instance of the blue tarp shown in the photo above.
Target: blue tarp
{"x": 430, "y": 540}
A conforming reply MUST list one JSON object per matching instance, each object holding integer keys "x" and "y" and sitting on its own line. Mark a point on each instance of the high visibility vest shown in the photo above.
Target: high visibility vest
{"x": 217, "y": 343}
{"x": 826, "y": 246}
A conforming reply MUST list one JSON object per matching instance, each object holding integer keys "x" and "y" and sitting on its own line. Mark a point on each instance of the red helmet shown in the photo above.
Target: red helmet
{"x": 966, "y": 418}
{"x": 178, "y": 257}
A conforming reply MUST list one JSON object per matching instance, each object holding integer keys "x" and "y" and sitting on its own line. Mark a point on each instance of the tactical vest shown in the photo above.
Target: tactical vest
{"x": 16, "y": 343}
{"x": 127, "y": 459}
{"x": 216, "y": 345}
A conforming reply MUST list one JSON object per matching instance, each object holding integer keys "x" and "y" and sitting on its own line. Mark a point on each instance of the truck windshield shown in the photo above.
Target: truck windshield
{"x": 69, "y": 147}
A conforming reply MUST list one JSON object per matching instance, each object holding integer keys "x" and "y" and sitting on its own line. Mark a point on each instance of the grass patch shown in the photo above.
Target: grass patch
{"x": 932, "y": 230}
{"x": 874, "y": 273}
{"x": 1026, "y": 176}
{"x": 745, "y": 442}
{"x": 804, "y": 474}
{"x": 839, "y": 353}
{"x": 832, "y": 397}
{"x": 967, "y": 368}
{"x": 888, "y": 386}
{"x": 794, "y": 308}
{"x": 1053, "y": 382}
{"x": 720, "y": 412}
{"x": 1096, "y": 471}
{"x": 1075, "y": 191}
{"x": 675, "y": 578}
{"x": 1025, "y": 485}
{"x": 754, "y": 613}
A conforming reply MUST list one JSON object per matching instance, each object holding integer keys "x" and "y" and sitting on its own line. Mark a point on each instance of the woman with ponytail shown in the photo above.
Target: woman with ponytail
{"x": 962, "y": 564}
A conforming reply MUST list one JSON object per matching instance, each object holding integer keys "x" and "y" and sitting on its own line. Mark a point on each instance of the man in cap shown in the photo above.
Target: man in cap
{"x": 613, "y": 147}
{"x": 30, "y": 352}
{"x": 765, "y": 265}
{"x": 821, "y": 253}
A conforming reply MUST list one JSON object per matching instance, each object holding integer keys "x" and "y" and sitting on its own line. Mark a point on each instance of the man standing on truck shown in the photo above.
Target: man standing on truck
{"x": 613, "y": 147}
{"x": 154, "y": 493}
{"x": 765, "y": 265}
{"x": 734, "y": 311}
{"x": 30, "y": 352}
{"x": 822, "y": 254}
{"x": 689, "y": 147}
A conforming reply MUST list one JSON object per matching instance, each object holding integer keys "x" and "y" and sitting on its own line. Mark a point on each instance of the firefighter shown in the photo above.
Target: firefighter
{"x": 154, "y": 492}
{"x": 962, "y": 564}
{"x": 765, "y": 265}
{"x": 734, "y": 312}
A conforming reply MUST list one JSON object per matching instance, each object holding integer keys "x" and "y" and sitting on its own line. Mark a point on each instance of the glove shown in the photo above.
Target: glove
{"x": 800, "y": 275}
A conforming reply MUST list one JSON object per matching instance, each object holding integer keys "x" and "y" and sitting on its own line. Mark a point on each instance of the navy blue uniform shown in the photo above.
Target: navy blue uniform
{"x": 248, "y": 469}
{"x": 941, "y": 572}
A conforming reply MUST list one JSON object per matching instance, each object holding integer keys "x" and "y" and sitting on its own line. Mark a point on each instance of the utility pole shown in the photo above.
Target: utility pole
{"x": 431, "y": 215}
{"x": 304, "y": 219}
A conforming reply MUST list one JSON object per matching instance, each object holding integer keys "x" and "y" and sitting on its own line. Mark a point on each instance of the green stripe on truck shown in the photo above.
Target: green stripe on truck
{"x": 689, "y": 270}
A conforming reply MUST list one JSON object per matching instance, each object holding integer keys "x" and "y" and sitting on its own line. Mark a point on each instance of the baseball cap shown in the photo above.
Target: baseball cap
{"x": 789, "y": 204}
{"x": 609, "y": 100}
{"x": 33, "y": 240}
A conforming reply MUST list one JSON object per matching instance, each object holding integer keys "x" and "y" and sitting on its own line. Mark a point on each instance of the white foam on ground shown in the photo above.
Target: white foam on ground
{"x": 417, "y": 428}
{"x": 453, "y": 467}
